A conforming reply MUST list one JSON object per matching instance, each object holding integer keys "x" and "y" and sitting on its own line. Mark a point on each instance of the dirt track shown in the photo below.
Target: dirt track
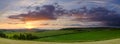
{"x": 8, "y": 41}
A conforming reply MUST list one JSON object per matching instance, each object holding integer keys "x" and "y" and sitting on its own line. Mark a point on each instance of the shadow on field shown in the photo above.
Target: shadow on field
{"x": 59, "y": 35}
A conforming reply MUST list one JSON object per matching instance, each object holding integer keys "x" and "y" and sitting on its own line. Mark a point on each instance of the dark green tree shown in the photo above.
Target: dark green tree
{"x": 2, "y": 35}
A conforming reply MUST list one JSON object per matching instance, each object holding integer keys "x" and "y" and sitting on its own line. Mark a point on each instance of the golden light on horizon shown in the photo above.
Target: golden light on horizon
{"x": 29, "y": 25}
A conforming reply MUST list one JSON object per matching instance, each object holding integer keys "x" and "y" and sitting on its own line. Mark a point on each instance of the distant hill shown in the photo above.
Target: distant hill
{"x": 40, "y": 30}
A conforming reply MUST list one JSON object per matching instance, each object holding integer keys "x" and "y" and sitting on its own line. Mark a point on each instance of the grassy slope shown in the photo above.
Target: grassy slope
{"x": 74, "y": 36}
{"x": 84, "y": 36}
{"x": 8, "y": 41}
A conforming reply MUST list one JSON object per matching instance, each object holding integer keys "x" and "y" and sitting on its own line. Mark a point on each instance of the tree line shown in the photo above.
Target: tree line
{"x": 19, "y": 36}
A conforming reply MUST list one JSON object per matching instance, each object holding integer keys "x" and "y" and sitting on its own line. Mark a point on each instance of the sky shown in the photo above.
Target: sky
{"x": 57, "y": 14}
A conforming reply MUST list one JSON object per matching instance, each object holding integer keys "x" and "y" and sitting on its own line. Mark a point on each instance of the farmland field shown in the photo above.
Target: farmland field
{"x": 69, "y": 35}
{"x": 84, "y": 36}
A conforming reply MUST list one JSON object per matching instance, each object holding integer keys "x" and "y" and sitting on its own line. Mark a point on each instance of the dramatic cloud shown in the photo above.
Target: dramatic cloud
{"x": 43, "y": 13}
{"x": 63, "y": 13}
{"x": 95, "y": 16}
{"x": 98, "y": 14}
{"x": 110, "y": 17}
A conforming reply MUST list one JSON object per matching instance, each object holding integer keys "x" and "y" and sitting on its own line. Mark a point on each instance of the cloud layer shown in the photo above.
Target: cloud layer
{"x": 98, "y": 15}
{"x": 66, "y": 12}
{"x": 46, "y": 13}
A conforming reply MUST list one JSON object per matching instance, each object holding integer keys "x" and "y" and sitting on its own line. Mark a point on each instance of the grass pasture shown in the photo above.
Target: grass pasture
{"x": 72, "y": 35}
{"x": 84, "y": 36}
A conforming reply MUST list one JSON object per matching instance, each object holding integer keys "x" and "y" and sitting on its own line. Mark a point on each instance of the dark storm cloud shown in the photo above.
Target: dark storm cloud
{"x": 109, "y": 17}
{"x": 99, "y": 14}
{"x": 46, "y": 12}
{"x": 51, "y": 12}
{"x": 42, "y": 13}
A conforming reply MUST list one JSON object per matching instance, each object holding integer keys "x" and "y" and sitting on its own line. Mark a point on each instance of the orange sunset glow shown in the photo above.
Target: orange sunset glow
{"x": 29, "y": 25}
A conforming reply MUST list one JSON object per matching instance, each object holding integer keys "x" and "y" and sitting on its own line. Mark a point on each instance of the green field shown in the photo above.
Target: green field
{"x": 83, "y": 36}
{"x": 71, "y": 35}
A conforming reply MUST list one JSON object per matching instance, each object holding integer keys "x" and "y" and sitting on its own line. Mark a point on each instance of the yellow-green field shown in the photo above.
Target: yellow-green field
{"x": 8, "y": 41}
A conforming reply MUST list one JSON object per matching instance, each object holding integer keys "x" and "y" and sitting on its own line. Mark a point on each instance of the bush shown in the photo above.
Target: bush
{"x": 2, "y": 35}
{"x": 24, "y": 36}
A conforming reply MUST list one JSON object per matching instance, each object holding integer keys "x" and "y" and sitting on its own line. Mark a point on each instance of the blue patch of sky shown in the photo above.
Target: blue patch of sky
{"x": 5, "y": 3}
